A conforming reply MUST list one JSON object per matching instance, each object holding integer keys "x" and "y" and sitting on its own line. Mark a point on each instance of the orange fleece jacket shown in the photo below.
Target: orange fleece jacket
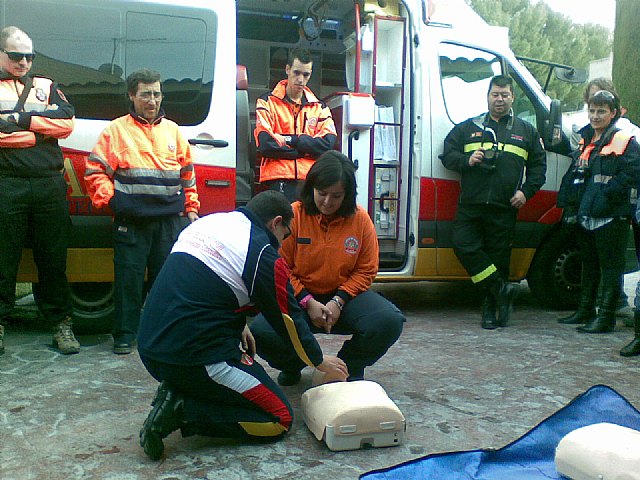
{"x": 325, "y": 257}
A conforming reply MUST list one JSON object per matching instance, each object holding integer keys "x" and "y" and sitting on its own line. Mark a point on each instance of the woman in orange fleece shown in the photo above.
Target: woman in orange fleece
{"x": 333, "y": 256}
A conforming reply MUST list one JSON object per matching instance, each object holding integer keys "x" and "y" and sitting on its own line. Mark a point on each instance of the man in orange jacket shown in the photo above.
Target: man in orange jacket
{"x": 141, "y": 168}
{"x": 293, "y": 128}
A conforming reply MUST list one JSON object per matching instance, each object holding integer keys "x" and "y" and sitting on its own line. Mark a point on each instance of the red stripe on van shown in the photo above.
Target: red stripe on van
{"x": 439, "y": 201}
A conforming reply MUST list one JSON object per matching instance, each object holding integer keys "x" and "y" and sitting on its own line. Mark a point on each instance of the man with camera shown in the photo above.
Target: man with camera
{"x": 502, "y": 164}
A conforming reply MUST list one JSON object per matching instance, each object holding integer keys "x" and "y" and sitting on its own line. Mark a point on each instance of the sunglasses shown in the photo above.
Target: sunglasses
{"x": 18, "y": 56}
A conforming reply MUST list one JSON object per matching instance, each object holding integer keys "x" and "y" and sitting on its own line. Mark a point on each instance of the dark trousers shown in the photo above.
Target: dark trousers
{"x": 227, "y": 400}
{"x": 290, "y": 188}
{"x": 603, "y": 253}
{"x": 482, "y": 240}
{"x": 35, "y": 208}
{"x": 374, "y": 323}
{"x": 139, "y": 245}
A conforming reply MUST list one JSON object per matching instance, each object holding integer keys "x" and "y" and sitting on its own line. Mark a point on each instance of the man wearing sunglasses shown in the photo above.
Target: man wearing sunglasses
{"x": 502, "y": 164}
{"x": 141, "y": 168}
{"x": 34, "y": 114}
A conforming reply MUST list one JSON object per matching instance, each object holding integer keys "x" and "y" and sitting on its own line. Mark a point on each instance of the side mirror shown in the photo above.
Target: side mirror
{"x": 571, "y": 75}
{"x": 553, "y": 130}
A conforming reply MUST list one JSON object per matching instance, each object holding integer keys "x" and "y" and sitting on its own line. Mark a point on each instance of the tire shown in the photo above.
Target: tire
{"x": 555, "y": 273}
{"x": 92, "y": 307}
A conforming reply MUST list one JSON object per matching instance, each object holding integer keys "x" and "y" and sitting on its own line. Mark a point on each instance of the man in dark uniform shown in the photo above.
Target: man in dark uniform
{"x": 493, "y": 153}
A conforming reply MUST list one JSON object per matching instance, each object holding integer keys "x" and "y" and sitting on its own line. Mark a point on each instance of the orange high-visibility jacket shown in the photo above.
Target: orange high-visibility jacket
{"x": 312, "y": 133}
{"x": 142, "y": 169}
{"x": 29, "y": 145}
{"x": 340, "y": 256}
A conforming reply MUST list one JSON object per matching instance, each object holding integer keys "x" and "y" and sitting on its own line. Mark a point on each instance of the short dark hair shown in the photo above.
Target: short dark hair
{"x": 608, "y": 98}
{"x": 269, "y": 204}
{"x": 501, "y": 81}
{"x": 602, "y": 83}
{"x": 302, "y": 54}
{"x": 141, "y": 76}
{"x": 330, "y": 168}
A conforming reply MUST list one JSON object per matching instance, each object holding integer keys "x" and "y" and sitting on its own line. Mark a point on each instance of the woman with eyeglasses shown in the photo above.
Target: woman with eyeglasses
{"x": 596, "y": 196}
{"x": 333, "y": 256}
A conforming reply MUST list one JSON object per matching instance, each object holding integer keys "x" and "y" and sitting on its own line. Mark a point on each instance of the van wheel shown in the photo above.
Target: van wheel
{"x": 554, "y": 275}
{"x": 92, "y": 307}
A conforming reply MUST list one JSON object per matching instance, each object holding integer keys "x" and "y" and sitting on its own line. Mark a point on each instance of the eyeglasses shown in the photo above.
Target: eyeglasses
{"x": 147, "y": 96}
{"x": 288, "y": 234}
{"x": 18, "y": 56}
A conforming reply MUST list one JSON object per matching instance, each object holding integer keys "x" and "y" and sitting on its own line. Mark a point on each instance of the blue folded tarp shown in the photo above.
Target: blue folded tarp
{"x": 528, "y": 458}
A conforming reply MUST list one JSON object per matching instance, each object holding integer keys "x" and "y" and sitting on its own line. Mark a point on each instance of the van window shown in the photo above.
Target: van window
{"x": 465, "y": 75}
{"x": 89, "y": 50}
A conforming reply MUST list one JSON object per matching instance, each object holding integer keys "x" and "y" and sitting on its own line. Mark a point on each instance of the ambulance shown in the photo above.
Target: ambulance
{"x": 397, "y": 75}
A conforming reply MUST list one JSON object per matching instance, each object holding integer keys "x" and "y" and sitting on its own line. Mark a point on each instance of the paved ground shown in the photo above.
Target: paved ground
{"x": 459, "y": 387}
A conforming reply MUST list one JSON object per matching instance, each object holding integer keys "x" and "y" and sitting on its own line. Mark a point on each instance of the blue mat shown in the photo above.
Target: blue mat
{"x": 528, "y": 458}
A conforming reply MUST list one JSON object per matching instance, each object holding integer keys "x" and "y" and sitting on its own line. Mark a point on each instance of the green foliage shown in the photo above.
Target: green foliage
{"x": 536, "y": 31}
{"x": 626, "y": 56}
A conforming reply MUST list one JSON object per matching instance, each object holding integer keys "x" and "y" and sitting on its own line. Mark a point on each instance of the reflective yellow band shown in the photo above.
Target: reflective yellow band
{"x": 519, "y": 151}
{"x": 484, "y": 274}
{"x": 295, "y": 339}
{"x": 266, "y": 429}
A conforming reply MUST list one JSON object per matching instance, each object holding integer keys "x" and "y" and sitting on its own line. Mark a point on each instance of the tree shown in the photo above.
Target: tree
{"x": 536, "y": 31}
{"x": 626, "y": 57}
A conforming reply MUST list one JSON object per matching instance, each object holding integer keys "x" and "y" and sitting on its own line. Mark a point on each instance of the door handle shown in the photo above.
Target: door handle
{"x": 209, "y": 142}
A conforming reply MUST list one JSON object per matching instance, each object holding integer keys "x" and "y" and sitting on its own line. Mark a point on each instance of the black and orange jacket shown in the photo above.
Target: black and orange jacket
{"x": 310, "y": 127}
{"x": 142, "y": 169}
{"x": 29, "y": 147}
{"x": 338, "y": 257}
{"x": 220, "y": 267}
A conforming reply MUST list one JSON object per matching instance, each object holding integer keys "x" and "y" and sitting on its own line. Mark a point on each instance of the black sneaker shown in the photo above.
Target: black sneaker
{"x": 122, "y": 348}
{"x": 288, "y": 378}
{"x": 164, "y": 418}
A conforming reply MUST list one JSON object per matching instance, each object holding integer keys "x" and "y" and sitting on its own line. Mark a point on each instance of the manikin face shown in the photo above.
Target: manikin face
{"x": 16, "y": 44}
{"x": 147, "y": 100}
{"x": 298, "y": 76}
{"x": 499, "y": 101}
{"x": 329, "y": 200}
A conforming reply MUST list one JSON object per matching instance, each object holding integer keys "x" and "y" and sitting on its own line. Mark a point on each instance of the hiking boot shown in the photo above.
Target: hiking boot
{"x": 165, "y": 417}
{"x": 63, "y": 338}
{"x": 1, "y": 339}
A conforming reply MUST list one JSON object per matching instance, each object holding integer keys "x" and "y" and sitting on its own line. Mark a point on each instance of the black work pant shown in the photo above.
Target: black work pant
{"x": 482, "y": 240}
{"x": 229, "y": 399}
{"x": 374, "y": 323}
{"x": 35, "y": 208}
{"x": 290, "y": 188}
{"x": 140, "y": 244}
{"x": 603, "y": 253}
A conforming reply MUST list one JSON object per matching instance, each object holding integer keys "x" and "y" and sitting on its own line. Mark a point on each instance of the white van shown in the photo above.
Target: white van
{"x": 396, "y": 74}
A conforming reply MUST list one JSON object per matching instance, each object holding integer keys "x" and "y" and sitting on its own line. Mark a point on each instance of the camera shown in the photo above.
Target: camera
{"x": 489, "y": 159}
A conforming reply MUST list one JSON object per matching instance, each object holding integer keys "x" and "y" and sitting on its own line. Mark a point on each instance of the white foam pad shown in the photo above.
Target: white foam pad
{"x": 350, "y": 414}
{"x": 602, "y": 451}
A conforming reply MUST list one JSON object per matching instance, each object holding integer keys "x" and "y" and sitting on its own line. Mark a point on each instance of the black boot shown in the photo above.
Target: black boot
{"x": 633, "y": 348}
{"x": 489, "y": 321}
{"x": 587, "y": 304}
{"x": 504, "y": 293}
{"x": 165, "y": 417}
{"x": 605, "y": 322}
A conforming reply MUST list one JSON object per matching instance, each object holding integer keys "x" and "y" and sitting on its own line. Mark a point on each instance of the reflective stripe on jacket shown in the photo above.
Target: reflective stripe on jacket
{"x": 142, "y": 169}
{"x": 29, "y": 147}
{"x": 311, "y": 129}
